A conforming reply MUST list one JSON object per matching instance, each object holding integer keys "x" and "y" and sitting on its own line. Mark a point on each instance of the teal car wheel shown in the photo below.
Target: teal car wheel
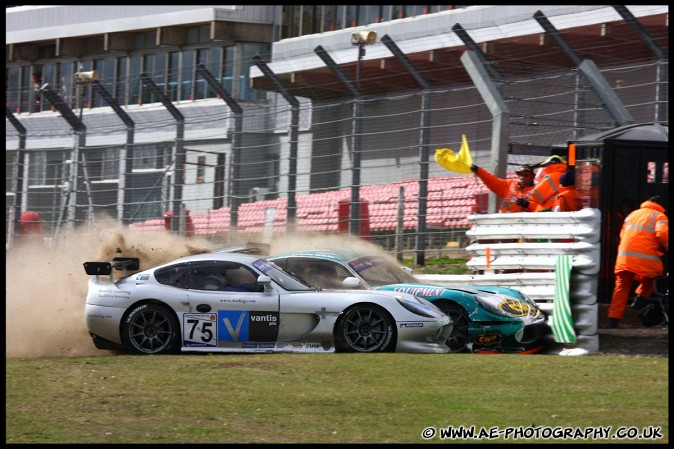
{"x": 458, "y": 339}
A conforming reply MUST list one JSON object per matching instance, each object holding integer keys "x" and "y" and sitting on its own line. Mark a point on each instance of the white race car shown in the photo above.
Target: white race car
{"x": 230, "y": 302}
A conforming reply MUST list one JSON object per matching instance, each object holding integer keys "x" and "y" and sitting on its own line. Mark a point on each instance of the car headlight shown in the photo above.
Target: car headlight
{"x": 425, "y": 302}
{"x": 507, "y": 306}
{"x": 419, "y": 308}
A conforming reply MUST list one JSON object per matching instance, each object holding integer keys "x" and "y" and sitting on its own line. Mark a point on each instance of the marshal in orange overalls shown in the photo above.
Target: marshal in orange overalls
{"x": 644, "y": 238}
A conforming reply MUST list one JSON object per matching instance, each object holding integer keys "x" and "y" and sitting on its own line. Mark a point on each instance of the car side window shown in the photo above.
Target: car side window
{"x": 175, "y": 276}
{"x": 217, "y": 276}
{"x": 319, "y": 273}
{"x": 282, "y": 263}
{"x": 241, "y": 280}
{"x": 211, "y": 281}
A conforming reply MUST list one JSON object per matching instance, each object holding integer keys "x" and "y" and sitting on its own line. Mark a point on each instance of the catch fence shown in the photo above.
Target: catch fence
{"x": 135, "y": 183}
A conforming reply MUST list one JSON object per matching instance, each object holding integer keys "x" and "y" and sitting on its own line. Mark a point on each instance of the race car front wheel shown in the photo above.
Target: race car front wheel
{"x": 458, "y": 339}
{"x": 151, "y": 329}
{"x": 366, "y": 328}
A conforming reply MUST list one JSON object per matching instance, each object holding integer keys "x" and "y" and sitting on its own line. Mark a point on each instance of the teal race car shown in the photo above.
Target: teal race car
{"x": 486, "y": 319}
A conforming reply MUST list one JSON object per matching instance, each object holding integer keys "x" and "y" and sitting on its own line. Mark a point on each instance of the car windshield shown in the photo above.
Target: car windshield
{"x": 377, "y": 271}
{"x": 279, "y": 276}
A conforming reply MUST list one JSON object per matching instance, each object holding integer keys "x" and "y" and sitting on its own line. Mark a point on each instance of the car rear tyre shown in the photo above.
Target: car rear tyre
{"x": 366, "y": 328}
{"x": 151, "y": 329}
{"x": 458, "y": 339}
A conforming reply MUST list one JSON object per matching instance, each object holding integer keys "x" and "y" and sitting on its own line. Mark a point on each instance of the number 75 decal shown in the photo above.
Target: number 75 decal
{"x": 200, "y": 329}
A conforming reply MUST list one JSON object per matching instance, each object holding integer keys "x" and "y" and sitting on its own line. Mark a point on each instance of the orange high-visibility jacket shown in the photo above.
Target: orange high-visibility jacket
{"x": 644, "y": 238}
{"x": 544, "y": 193}
{"x": 568, "y": 200}
{"x": 508, "y": 191}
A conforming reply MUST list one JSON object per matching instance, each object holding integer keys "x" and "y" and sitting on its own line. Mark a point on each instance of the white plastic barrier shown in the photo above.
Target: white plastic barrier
{"x": 523, "y": 249}
{"x": 538, "y": 286}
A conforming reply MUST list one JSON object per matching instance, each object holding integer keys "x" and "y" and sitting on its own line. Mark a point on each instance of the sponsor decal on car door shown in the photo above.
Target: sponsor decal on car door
{"x": 247, "y": 326}
{"x": 230, "y": 318}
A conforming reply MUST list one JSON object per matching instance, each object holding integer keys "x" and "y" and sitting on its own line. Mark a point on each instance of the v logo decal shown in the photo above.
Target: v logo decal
{"x": 234, "y": 332}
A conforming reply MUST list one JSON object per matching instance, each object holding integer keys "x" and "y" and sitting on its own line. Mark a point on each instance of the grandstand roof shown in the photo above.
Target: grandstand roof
{"x": 513, "y": 41}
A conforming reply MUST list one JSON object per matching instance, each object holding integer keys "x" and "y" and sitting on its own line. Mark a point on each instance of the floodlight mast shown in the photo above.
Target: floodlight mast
{"x": 359, "y": 39}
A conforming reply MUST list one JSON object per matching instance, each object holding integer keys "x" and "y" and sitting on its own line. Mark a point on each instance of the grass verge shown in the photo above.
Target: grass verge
{"x": 331, "y": 398}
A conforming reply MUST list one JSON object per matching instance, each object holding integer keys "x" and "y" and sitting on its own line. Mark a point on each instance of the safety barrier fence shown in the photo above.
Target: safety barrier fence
{"x": 521, "y": 251}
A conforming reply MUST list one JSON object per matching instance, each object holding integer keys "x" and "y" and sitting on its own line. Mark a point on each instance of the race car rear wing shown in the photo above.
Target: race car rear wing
{"x": 124, "y": 264}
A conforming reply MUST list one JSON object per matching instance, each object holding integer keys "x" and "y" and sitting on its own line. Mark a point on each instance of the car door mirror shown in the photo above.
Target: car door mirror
{"x": 263, "y": 279}
{"x": 351, "y": 282}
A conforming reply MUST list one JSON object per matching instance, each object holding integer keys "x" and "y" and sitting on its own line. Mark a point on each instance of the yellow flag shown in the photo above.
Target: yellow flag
{"x": 459, "y": 163}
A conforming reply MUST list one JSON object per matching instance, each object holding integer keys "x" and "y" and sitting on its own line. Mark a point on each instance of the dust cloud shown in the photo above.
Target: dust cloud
{"x": 46, "y": 288}
{"x": 321, "y": 241}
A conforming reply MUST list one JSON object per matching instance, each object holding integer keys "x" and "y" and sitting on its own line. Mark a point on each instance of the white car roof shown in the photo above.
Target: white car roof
{"x": 231, "y": 257}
